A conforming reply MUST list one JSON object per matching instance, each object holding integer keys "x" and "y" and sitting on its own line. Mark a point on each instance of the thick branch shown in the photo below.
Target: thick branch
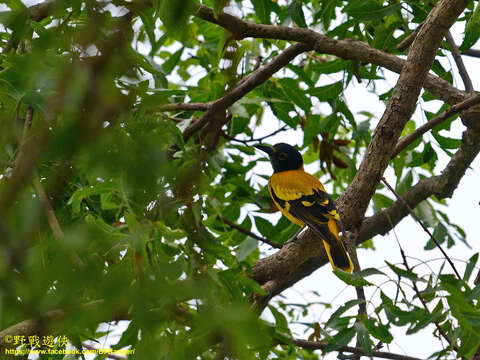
{"x": 42, "y": 10}
{"x": 345, "y": 49}
{"x": 251, "y": 81}
{"x": 353, "y": 203}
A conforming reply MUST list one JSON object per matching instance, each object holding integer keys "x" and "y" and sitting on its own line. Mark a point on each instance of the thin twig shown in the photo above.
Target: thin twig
{"x": 52, "y": 219}
{"x": 50, "y": 213}
{"x": 249, "y": 233}
{"x": 422, "y": 300}
{"x": 460, "y": 65}
{"x": 472, "y": 52}
{"x": 257, "y": 140}
{"x": 422, "y": 225}
{"x": 184, "y": 107}
{"x": 405, "y": 43}
{"x": 351, "y": 242}
{"x": 407, "y": 140}
{"x": 315, "y": 345}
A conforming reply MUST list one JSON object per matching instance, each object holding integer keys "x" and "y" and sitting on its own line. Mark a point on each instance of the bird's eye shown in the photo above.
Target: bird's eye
{"x": 282, "y": 156}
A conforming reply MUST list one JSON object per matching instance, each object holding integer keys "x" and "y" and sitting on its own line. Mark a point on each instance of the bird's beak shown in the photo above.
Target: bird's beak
{"x": 265, "y": 148}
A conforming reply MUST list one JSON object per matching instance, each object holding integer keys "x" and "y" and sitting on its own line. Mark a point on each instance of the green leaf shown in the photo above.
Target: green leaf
{"x": 218, "y": 6}
{"x": 281, "y": 323}
{"x": 378, "y": 330}
{"x": 440, "y": 234}
{"x": 262, "y": 10}
{"x": 246, "y": 248}
{"x": 381, "y": 201}
{"x": 370, "y": 271}
{"x": 370, "y": 9}
{"x": 15, "y": 5}
{"x": 364, "y": 338}
{"x": 474, "y": 293}
{"x": 341, "y": 339}
{"x": 148, "y": 20}
{"x": 470, "y": 266}
{"x": 472, "y": 29}
{"x": 264, "y": 226}
{"x": 92, "y": 190}
{"x": 333, "y": 320}
{"x": 327, "y": 12}
{"x": 446, "y": 142}
{"x": 398, "y": 316}
{"x": 174, "y": 15}
{"x": 296, "y": 13}
{"x": 351, "y": 279}
{"x": 329, "y": 67}
{"x": 425, "y": 212}
{"x": 172, "y": 61}
{"x": 129, "y": 337}
{"x": 293, "y": 92}
{"x": 404, "y": 273}
{"x": 327, "y": 92}
{"x": 169, "y": 233}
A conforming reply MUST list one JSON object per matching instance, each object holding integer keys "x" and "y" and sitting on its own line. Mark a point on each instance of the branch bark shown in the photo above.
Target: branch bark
{"x": 184, "y": 106}
{"x": 346, "y": 49}
{"x": 457, "y": 56}
{"x": 215, "y": 114}
{"x": 408, "y": 139}
{"x": 353, "y": 203}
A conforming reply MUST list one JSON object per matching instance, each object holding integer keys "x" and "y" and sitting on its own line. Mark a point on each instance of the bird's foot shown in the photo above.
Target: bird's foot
{"x": 295, "y": 238}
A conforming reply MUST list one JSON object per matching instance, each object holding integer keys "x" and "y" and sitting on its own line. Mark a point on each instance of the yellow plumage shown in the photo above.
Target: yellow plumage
{"x": 305, "y": 191}
{"x": 303, "y": 200}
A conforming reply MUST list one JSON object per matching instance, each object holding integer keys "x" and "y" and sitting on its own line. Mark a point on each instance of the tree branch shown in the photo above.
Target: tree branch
{"x": 218, "y": 107}
{"x": 346, "y": 49}
{"x": 422, "y": 300}
{"x": 353, "y": 203}
{"x": 460, "y": 65}
{"x": 442, "y": 186}
{"x": 184, "y": 106}
{"x": 405, "y": 43}
{"x": 249, "y": 233}
{"x": 407, "y": 140}
{"x": 472, "y": 52}
{"x": 257, "y": 140}
{"x": 423, "y": 227}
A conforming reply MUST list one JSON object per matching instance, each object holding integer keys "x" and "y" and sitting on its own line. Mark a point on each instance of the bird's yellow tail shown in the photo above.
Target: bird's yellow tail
{"x": 336, "y": 252}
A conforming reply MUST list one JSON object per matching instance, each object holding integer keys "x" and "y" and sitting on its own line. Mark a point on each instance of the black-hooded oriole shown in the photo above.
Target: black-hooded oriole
{"x": 303, "y": 200}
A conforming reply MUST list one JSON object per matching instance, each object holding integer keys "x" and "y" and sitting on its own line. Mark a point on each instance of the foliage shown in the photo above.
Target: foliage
{"x": 144, "y": 211}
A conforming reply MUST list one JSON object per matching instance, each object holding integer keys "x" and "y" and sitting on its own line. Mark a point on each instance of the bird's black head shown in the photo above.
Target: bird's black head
{"x": 283, "y": 156}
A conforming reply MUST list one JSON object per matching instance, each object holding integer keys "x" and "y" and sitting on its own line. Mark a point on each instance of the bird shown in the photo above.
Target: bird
{"x": 302, "y": 198}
